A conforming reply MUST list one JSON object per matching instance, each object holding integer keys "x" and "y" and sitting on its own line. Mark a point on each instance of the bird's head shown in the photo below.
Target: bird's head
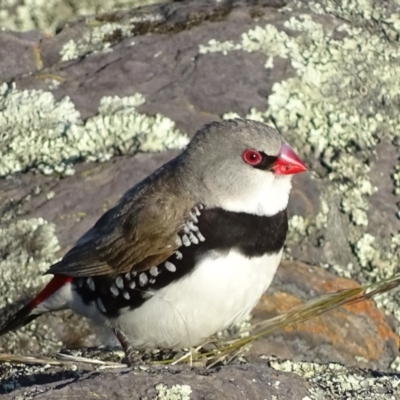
{"x": 242, "y": 166}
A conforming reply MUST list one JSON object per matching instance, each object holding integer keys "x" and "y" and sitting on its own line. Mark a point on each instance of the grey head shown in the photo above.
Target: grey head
{"x": 241, "y": 166}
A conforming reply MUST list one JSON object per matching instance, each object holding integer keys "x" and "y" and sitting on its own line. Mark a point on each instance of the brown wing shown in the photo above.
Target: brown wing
{"x": 135, "y": 235}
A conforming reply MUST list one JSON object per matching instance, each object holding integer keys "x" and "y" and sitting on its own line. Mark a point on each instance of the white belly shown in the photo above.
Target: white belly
{"x": 221, "y": 291}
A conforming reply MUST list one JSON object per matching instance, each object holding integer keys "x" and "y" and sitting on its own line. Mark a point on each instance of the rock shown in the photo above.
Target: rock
{"x": 233, "y": 382}
{"x": 18, "y": 54}
{"x": 357, "y": 334}
{"x": 263, "y": 379}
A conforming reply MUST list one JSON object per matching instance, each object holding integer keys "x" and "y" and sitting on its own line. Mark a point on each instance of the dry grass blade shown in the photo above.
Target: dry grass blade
{"x": 78, "y": 359}
{"x": 63, "y": 359}
{"x": 17, "y": 359}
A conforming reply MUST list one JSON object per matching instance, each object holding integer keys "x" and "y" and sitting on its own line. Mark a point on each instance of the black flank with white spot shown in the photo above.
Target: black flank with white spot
{"x": 212, "y": 229}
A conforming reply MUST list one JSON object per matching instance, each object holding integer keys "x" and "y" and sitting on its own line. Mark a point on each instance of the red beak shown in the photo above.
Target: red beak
{"x": 288, "y": 162}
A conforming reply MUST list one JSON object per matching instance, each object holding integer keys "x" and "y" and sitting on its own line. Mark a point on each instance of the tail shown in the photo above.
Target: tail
{"x": 44, "y": 302}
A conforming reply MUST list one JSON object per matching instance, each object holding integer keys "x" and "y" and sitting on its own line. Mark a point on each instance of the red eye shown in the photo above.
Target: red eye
{"x": 252, "y": 157}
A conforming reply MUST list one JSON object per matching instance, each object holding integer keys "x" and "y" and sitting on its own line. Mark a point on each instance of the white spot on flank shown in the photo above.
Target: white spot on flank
{"x": 186, "y": 241}
{"x": 178, "y": 255}
{"x": 100, "y": 305}
{"x": 143, "y": 279}
{"x": 132, "y": 285}
{"x": 193, "y": 217}
{"x": 200, "y": 236}
{"x": 154, "y": 271}
{"x": 192, "y": 226}
{"x": 119, "y": 282}
{"x": 196, "y": 211}
{"x": 114, "y": 291}
{"x": 178, "y": 241}
{"x": 126, "y": 295}
{"x": 90, "y": 283}
{"x": 152, "y": 281}
{"x": 193, "y": 238}
{"x": 133, "y": 274}
{"x": 170, "y": 267}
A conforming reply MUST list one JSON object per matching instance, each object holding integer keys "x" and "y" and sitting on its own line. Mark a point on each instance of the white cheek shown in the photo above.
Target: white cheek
{"x": 262, "y": 195}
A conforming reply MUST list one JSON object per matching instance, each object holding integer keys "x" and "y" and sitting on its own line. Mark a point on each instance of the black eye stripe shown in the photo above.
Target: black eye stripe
{"x": 267, "y": 162}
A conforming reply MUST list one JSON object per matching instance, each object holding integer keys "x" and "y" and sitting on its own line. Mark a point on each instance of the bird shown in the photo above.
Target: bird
{"x": 188, "y": 251}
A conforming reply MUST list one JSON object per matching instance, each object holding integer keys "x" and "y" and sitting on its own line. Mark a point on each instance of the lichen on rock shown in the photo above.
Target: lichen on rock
{"x": 98, "y": 39}
{"x": 42, "y": 134}
{"x": 48, "y": 15}
{"x": 176, "y": 392}
{"x": 339, "y": 381}
{"x": 27, "y": 248}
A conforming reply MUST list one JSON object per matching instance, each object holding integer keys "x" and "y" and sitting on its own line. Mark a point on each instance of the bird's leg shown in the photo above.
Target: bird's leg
{"x": 128, "y": 348}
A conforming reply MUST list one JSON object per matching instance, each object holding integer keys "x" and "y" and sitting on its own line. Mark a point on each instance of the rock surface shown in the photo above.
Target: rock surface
{"x": 357, "y": 334}
{"x": 191, "y": 64}
{"x": 233, "y": 382}
{"x": 262, "y": 379}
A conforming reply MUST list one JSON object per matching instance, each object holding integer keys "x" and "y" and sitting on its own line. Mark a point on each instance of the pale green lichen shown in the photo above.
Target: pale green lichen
{"x": 322, "y": 217}
{"x": 359, "y": 9}
{"x": 396, "y": 178}
{"x": 27, "y": 248}
{"x": 53, "y": 84}
{"x": 340, "y": 381}
{"x": 377, "y": 263}
{"x": 396, "y": 182}
{"x": 395, "y": 364}
{"x": 147, "y": 18}
{"x": 366, "y": 250}
{"x": 49, "y": 136}
{"x": 231, "y": 115}
{"x": 176, "y": 392}
{"x": 95, "y": 40}
{"x": 301, "y": 228}
{"x": 50, "y": 195}
{"x": 214, "y": 46}
{"x": 47, "y": 15}
{"x": 345, "y": 271}
{"x": 297, "y": 229}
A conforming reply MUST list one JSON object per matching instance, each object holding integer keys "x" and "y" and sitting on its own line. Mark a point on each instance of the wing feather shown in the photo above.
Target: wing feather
{"x": 134, "y": 235}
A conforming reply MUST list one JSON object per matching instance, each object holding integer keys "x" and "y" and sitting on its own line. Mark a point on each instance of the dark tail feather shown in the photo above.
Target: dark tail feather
{"x": 18, "y": 320}
{"x": 30, "y": 311}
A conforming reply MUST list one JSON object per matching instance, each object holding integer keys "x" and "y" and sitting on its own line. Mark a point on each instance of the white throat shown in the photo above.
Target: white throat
{"x": 266, "y": 198}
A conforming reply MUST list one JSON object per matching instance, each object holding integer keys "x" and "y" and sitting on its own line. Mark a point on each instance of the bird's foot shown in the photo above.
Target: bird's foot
{"x": 130, "y": 353}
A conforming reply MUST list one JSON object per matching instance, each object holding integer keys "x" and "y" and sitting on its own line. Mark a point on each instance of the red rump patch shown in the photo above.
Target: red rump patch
{"x": 56, "y": 283}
